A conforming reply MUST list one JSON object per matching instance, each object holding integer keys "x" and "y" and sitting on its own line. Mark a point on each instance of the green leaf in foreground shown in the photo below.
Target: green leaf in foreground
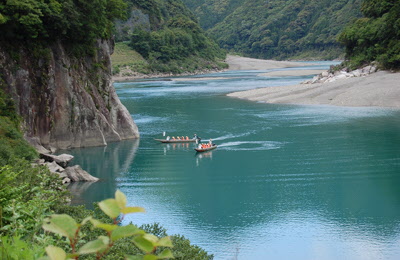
{"x": 143, "y": 244}
{"x": 110, "y": 208}
{"x": 95, "y": 246}
{"x": 106, "y": 227}
{"x": 150, "y": 257}
{"x": 61, "y": 224}
{"x": 56, "y": 253}
{"x": 121, "y": 199}
{"x": 128, "y": 210}
{"x": 125, "y": 231}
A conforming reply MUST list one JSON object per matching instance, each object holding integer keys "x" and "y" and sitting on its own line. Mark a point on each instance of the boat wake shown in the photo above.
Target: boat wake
{"x": 250, "y": 146}
{"x": 231, "y": 136}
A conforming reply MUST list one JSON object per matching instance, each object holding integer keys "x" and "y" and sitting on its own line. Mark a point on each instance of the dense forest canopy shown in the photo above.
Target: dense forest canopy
{"x": 71, "y": 21}
{"x": 376, "y": 36}
{"x": 211, "y": 12}
{"x": 277, "y": 28}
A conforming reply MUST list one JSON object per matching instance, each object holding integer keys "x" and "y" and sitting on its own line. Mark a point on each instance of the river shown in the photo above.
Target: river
{"x": 286, "y": 181}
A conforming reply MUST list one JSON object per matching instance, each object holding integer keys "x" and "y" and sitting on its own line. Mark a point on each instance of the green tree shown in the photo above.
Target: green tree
{"x": 376, "y": 37}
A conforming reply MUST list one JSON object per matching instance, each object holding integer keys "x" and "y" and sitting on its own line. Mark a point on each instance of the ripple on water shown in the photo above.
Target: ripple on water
{"x": 145, "y": 119}
{"x": 314, "y": 115}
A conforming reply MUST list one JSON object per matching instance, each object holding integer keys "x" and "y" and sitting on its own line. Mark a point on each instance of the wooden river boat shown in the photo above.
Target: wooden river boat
{"x": 199, "y": 150}
{"x": 176, "y": 141}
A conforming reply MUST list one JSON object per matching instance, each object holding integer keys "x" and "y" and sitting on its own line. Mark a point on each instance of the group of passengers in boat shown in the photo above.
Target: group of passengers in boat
{"x": 182, "y": 138}
{"x": 208, "y": 145}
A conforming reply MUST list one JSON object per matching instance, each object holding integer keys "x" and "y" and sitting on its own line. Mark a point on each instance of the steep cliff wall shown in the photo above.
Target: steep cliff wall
{"x": 66, "y": 102}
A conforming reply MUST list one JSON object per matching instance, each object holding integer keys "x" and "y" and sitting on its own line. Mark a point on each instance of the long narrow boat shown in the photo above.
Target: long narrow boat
{"x": 199, "y": 150}
{"x": 176, "y": 140}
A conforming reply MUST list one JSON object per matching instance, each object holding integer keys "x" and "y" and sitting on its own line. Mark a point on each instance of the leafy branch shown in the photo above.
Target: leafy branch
{"x": 116, "y": 209}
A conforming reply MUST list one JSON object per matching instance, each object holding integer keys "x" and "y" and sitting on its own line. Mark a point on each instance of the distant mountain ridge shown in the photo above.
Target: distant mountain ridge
{"x": 278, "y": 29}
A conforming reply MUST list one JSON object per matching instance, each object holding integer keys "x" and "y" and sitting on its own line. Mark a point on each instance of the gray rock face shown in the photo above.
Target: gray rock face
{"x": 65, "y": 101}
{"x": 54, "y": 167}
{"x": 66, "y": 180}
{"x": 75, "y": 173}
{"x": 62, "y": 160}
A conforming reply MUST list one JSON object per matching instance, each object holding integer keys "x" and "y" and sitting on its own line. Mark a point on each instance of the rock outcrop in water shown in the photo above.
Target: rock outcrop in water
{"x": 57, "y": 164}
{"x": 66, "y": 102}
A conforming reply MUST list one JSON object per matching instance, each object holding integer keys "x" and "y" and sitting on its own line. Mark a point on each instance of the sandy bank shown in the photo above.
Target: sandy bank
{"x": 288, "y": 73}
{"x": 381, "y": 89}
{"x": 243, "y": 63}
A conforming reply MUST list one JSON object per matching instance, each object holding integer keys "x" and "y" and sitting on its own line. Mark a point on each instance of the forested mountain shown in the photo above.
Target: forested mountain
{"x": 168, "y": 36}
{"x": 211, "y": 12}
{"x": 376, "y": 36}
{"x": 277, "y": 28}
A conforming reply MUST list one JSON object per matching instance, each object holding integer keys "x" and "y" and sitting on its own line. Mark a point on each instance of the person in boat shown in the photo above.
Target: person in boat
{"x": 168, "y": 138}
{"x": 187, "y": 137}
{"x": 196, "y": 137}
{"x": 210, "y": 142}
{"x": 200, "y": 146}
{"x": 173, "y": 138}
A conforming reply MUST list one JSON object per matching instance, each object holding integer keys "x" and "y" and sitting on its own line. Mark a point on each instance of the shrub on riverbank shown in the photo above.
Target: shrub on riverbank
{"x": 12, "y": 145}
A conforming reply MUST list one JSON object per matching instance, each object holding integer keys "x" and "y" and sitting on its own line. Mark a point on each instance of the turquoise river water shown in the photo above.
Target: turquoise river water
{"x": 286, "y": 182}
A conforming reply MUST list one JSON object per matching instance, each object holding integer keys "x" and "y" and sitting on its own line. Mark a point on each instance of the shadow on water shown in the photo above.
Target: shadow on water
{"x": 107, "y": 163}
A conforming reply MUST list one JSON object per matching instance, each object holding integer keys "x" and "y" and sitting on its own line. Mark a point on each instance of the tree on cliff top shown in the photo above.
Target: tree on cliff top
{"x": 71, "y": 21}
{"x": 376, "y": 36}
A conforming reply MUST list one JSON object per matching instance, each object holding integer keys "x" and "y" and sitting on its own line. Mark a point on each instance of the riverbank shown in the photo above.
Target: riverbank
{"x": 137, "y": 75}
{"x": 243, "y": 63}
{"x": 379, "y": 89}
{"x": 235, "y": 63}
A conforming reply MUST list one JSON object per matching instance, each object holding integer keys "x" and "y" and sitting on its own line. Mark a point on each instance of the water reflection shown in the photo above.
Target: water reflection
{"x": 204, "y": 155}
{"x": 107, "y": 163}
{"x": 176, "y": 146}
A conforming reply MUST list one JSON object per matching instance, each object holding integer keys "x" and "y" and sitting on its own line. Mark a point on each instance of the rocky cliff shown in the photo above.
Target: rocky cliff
{"x": 66, "y": 102}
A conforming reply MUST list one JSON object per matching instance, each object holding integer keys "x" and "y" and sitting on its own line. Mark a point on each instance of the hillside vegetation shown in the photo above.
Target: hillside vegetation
{"x": 167, "y": 35}
{"x": 77, "y": 24}
{"x": 376, "y": 36}
{"x": 211, "y": 12}
{"x": 278, "y": 29}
